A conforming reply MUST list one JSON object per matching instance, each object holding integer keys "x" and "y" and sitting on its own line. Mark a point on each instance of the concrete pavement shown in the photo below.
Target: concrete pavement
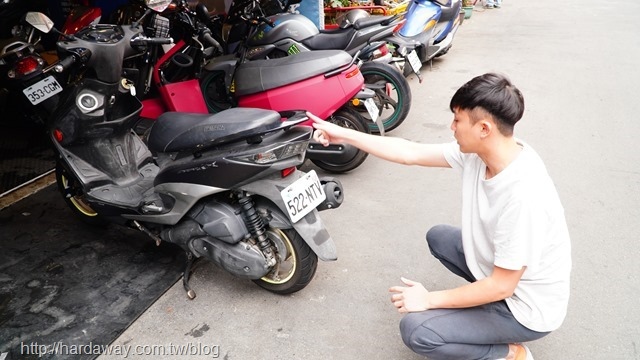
{"x": 576, "y": 64}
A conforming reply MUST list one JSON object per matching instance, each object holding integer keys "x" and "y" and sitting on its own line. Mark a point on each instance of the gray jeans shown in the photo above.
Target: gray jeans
{"x": 481, "y": 332}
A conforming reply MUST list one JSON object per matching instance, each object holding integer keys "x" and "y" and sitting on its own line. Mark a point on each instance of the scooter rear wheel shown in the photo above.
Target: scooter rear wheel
{"x": 296, "y": 264}
{"x": 215, "y": 92}
{"x": 73, "y": 196}
{"x": 355, "y": 157}
{"x": 393, "y": 95}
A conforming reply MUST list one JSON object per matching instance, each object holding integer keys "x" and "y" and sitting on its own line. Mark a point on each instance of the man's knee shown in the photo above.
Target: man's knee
{"x": 437, "y": 235}
{"x": 417, "y": 334}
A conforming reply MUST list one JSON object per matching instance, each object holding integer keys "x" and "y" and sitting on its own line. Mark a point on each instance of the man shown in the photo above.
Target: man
{"x": 513, "y": 246}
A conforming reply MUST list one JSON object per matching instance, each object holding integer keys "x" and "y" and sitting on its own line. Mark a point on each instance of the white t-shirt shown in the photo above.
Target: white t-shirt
{"x": 512, "y": 220}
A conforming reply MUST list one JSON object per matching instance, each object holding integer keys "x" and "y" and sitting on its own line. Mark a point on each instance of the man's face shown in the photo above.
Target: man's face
{"x": 467, "y": 134}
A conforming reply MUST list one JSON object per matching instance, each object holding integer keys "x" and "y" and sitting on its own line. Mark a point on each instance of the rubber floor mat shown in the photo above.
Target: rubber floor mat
{"x": 66, "y": 288}
{"x": 25, "y": 153}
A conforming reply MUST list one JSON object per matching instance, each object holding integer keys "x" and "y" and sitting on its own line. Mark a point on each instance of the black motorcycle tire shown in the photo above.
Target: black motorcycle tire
{"x": 302, "y": 262}
{"x": 73, "y": 196}
{"x": 400, "y": 99}
{"x": 349, "y": 119}
{"x": 214, "y": 91}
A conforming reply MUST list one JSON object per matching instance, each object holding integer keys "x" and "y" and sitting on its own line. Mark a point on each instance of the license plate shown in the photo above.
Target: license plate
{"x": 372, "y": 109}
{"x": 303, "y": 196}
{"x": 42, "y": 90}
{"x": 414, "y": 61}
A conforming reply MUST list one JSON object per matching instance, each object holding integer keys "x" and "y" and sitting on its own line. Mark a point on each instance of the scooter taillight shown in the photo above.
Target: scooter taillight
{"x": 288, "y": 171}
{"x": 381, "y": 51}
{"x": 26, "y": 66}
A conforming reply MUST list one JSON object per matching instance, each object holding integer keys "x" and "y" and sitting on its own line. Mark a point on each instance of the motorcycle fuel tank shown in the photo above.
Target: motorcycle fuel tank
{"x": 292, "y": 26}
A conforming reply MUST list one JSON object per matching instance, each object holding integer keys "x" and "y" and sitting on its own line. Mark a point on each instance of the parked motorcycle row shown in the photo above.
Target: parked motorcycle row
{"x": 191, "y": 128}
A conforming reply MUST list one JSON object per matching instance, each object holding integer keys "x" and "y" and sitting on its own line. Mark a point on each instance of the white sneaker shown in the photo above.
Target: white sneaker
{"x": 529, "y": 356}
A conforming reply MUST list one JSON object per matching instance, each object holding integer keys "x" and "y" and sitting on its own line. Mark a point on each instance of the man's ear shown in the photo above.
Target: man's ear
{"x": 486, "y": 127}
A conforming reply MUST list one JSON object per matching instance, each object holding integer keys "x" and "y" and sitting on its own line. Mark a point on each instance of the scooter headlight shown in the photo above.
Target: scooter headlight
{"x": 271, "y": 155}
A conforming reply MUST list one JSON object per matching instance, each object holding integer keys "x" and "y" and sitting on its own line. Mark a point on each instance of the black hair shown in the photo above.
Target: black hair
{"x": 496, "y": 95}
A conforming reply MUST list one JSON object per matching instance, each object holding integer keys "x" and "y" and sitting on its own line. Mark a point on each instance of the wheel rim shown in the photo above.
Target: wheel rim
{"x": 78, "y": 201}
{"x": 287, "y": 263}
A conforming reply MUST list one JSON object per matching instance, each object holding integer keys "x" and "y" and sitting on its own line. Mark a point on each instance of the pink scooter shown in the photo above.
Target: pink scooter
{"x": 322, "y": 82}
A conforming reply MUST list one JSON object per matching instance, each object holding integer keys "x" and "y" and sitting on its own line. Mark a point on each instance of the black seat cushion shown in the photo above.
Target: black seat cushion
{"x": 260, "y": 75}
{"x": 175, "y": 131}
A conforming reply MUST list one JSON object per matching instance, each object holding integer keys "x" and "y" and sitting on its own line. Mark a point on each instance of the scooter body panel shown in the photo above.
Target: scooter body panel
{"x": 422, "y": 16}
{"x": 432, "y": 24}
{"x": 179, "y": 96}
{"x": 336, "y": 91}
{"x": 80, "y": 17}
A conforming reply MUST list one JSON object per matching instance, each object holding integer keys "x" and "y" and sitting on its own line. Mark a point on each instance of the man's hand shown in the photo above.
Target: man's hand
{"x": 410, "y": 298}
{"x": 326, "y": 132}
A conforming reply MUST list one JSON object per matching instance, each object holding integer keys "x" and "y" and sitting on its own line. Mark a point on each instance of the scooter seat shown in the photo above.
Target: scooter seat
{"x": 373, "y": 20}
{"x": 261, "y": 75}
{"x": 330, "y": 39}
{"x": 177, "y": 131}
{"x": 341, "y": 38}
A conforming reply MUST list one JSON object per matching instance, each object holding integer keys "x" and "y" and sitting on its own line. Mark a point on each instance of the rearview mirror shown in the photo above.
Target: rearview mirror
{"x": 39, "y": 21}
{"x": 157, "y": 5}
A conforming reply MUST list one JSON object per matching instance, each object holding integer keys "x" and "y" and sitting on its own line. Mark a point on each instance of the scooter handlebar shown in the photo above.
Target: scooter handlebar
{"x": 211, "y": 41}
{"x": 151, "y": 41}
{"x": 64, "y": 64}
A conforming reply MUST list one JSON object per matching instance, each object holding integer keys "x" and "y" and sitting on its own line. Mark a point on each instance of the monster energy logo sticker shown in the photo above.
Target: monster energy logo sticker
{"x": 293, "y": 49}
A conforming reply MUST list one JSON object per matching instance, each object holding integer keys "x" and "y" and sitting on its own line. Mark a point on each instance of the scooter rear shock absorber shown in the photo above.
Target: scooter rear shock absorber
{"x": 257, "y": 228}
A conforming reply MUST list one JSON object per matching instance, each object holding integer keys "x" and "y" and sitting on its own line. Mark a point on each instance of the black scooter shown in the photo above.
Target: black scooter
{"x": 224, "y": 187}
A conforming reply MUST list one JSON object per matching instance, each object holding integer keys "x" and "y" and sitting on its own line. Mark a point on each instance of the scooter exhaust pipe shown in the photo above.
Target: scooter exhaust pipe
{"x": 333, "y": 189}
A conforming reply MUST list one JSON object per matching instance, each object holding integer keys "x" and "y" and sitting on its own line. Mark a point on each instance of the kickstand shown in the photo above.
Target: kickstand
{"x": 191, "y": 261}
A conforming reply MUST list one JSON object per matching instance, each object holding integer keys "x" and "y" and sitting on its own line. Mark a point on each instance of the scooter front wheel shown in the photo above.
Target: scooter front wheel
{"x": 353, "y": 156}
{"x": 73, "y": 196}
{"x": 296, "y": 263}
{"x": 393, "y": 95}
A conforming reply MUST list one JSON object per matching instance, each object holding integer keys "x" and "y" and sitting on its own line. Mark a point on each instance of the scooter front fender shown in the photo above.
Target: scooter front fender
{"x": 311, "y": 228}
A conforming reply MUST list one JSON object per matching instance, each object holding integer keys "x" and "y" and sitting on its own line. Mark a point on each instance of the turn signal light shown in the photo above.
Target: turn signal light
{"x": 353, "y": 73}
{"x": 430, "y": 24}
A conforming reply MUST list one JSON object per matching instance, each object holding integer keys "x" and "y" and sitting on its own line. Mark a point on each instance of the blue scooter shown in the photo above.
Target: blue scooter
{"x": 429, "y": 28}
